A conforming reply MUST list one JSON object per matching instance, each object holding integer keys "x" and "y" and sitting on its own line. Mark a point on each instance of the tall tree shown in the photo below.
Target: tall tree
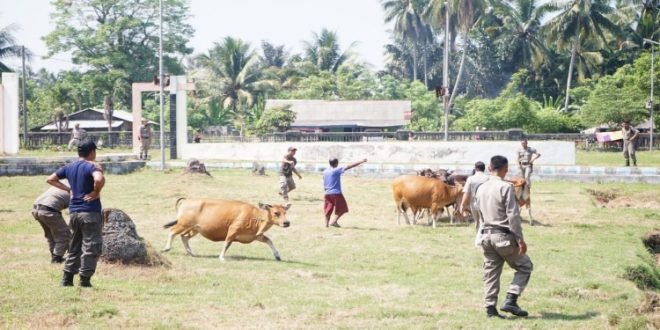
{"x": 231, "y": 72}
{"x": 519, "y": 32}
{"x": 118, "y": 40}
{"x": 324, "y": 53}
{"x": 409, "y": 25}
{"x": 8, "y": 47}
{"x": 578, "y": 22}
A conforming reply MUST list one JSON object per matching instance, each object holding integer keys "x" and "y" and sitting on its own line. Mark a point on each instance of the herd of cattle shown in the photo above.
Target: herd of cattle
{"x": 428, "y": 191}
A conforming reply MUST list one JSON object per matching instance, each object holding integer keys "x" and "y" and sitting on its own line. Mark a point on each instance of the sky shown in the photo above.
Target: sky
{"x": 287, "y": 22}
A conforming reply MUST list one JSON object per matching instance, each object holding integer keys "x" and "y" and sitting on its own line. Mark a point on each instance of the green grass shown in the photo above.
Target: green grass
{"x": 582, "y": 158}
{"x": 645, "y": 158}
{"x": 372, "y": 273}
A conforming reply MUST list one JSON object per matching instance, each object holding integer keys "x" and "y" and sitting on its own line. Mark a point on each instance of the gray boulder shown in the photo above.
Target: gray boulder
{"x": 121, "y": 243}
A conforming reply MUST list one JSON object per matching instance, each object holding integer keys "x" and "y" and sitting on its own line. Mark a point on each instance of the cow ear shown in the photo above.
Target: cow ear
{"x": 287, "y": 206}
{"x": 264, "y": 206}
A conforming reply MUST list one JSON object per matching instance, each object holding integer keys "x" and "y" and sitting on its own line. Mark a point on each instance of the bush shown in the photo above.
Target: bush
{"x": 645, "y": 275}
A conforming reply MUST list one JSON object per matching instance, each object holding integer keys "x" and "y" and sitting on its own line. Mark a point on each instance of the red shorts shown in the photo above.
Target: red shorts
{"x": 335, "y": 202}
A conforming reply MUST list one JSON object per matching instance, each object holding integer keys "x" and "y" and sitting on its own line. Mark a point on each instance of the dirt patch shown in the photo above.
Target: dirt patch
{"x": 613, "y": 199}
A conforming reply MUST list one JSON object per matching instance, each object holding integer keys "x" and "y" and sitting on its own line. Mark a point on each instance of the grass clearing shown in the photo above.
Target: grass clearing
{"x": 371, "y": 273}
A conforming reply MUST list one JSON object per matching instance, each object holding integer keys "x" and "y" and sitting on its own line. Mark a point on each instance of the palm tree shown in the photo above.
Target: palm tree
{"x": 520, "y": 30}
{"x": 8, "y": 47}
{"x": 409, "y": 25}
{"x": 578, "y": 22}
{"x": 324, "y": 53}
{"x": 230, "y": 72}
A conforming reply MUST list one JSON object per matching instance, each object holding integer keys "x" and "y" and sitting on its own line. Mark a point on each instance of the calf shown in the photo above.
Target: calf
{"x": 418, "y": 192}
{"x": 225, "y": 220}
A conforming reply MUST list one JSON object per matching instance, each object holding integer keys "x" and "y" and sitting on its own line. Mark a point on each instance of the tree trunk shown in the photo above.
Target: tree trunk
{"x": 570, "y": 69}
{"x": 460, "y": 71}
{"x": 426, "y": 76}
{"x": 414, "y": 62}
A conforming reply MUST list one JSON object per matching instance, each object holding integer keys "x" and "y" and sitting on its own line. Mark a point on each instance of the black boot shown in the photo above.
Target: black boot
{"x": 85, "y": 282}
{"x": 55, "y": 259}
{"x": 511, "y": 305}
{"x": 627, "y": 162}
{"x": 491, "y": 311}
{"x": 67, "y": 279}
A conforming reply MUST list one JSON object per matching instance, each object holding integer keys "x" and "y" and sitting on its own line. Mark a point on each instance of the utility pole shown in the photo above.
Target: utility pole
{"x": 445, "y": 75}
{"x": 162, "y": 91}
{"x": 25, "y": 117}
{"x": 651, "y": 101}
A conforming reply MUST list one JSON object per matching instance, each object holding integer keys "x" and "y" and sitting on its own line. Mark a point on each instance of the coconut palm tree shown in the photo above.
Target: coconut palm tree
{"x": 323, "y": 52}
{"x": 409, "y": 25}
{"x": 520, "y": 30}
{"x": 578, "y": 22}
{"x": 231, "y": 71}
{"x": 8, "y": 47}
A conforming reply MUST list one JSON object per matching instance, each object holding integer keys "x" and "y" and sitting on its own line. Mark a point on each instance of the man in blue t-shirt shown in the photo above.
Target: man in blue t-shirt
{"x": 86, "y": 181}
{"x": 334, "y": 199}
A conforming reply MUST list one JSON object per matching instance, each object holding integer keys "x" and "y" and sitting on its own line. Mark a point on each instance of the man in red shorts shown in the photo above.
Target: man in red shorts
{"x": 334, "y": 200}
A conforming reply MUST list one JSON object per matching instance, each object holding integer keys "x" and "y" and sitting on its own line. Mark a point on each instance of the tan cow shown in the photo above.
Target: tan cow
{"x": 418, "y": 192}
{"x": 523, "y": 195}
{"x": 225, "y": 220}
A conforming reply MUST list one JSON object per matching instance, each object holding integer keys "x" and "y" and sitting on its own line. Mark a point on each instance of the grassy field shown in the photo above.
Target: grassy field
{"x": 583, "y": 158}
{"x": 371, "y": 273}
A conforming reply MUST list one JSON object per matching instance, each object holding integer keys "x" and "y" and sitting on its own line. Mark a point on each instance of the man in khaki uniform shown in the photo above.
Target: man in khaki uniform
{"x": 526, "y": 157}
{"x": 469, "y": 191}
{"x": 47, "y": 210}
{"x": 502, "y": 240}
{"x": 630, "y": 135}
{"x": 77, "y": 135}
{"x": 145, "y": 139}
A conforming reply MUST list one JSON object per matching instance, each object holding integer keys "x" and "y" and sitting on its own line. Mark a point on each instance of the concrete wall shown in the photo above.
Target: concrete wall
{"x": 450, "y": 153}
{"x": 9, "y": 114}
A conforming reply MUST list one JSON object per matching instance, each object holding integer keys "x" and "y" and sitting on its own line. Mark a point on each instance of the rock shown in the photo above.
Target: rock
{"x": 122, "y": 244}
{"x": 258, "y": 169}
{"x": 652, "y": 241}
{"x": 194, "y": 166}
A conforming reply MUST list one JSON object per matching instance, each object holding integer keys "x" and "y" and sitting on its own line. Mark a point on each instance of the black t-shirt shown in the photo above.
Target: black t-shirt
{"x": 287, "y": 169}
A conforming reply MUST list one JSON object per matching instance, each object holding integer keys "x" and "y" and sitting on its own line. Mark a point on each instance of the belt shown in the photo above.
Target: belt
{"x": 495, "y": 231}
{"x": 45, "y": 208}
{"x": 524, "y": 163}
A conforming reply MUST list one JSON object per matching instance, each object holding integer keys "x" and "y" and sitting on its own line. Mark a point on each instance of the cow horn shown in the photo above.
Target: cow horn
{"x": 264, "y": 206}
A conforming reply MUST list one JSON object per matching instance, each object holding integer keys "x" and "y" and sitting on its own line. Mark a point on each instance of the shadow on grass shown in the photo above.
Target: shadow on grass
{"x": 362, "y": 228}
{"x": 241, "y": 258}
{"x": 567, "y": 317}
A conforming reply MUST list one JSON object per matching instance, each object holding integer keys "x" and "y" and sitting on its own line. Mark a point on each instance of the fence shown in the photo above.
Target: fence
{"x": 119, "y": 139}
{"x": 123, "y": 139}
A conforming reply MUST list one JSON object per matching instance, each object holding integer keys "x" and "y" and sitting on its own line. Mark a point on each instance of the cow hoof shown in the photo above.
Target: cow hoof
{"x": 165, "y": 250}
{"x": 278, "y": 258}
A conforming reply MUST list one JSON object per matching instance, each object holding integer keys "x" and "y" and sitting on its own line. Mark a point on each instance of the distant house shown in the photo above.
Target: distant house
{"x": 347, "y": 116}
{"x": 92, "y": 121}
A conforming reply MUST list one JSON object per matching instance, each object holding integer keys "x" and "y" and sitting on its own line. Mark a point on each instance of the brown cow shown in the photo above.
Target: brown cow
{"x": 418, "y": 192}
{"x": 523, "y": 195}
{"x": 225, "y": 220}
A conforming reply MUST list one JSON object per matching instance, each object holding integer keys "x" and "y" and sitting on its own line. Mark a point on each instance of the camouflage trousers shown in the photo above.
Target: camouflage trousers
{"x": 86, "y": 243}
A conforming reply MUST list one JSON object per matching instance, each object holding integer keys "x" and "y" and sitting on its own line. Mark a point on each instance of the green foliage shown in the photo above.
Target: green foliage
{"x": 426, "y": 110}
{"x": 645, "y": 275}
{"x": 277, "y": 119}
{"x": 615, "y": 98}
{"x": 118, "y": 41}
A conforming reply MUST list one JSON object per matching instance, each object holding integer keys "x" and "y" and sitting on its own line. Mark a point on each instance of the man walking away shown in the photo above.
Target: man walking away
{"x": 287, "y": 169}
{"x": 526, "y": 157}
{"x": 334, "y": 199}
{"x": 47, "y": 210}
{"x": 630, "y": 135}
{"x": 86, "y": 181}
{"x": 502, "y": 240}
{"x": 469, "y": 191}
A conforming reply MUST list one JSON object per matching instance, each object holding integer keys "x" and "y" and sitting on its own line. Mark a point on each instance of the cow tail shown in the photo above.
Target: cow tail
{"x": 170, "y": 224}
{"x": 178, "y": 201}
